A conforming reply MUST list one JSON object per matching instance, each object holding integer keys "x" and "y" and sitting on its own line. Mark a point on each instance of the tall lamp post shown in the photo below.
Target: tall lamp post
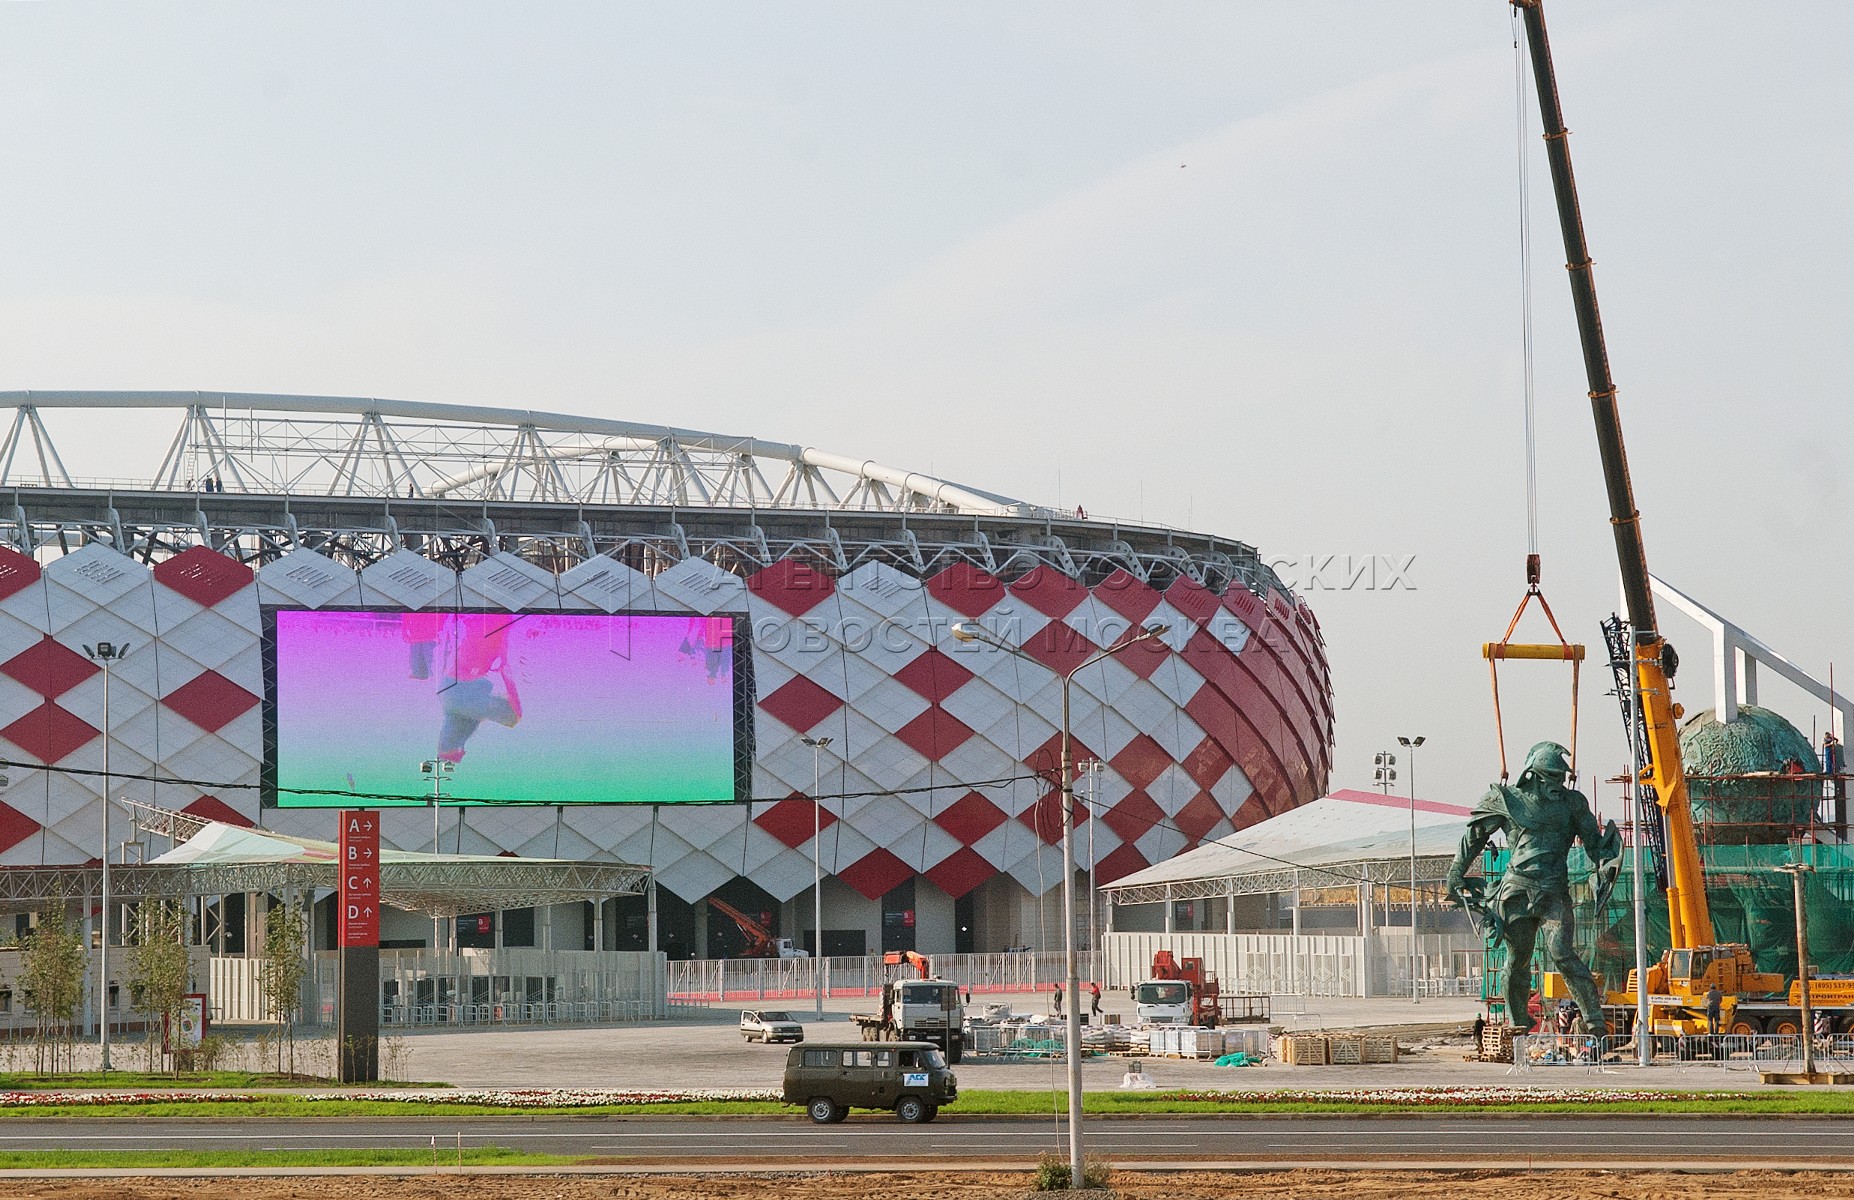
{"x": 1382, "y": 778}
{"x": 108, "y": 654}
{"x": 1092, "y": 768}
{"x": 1805, "y": 1017}
{"x": 437, "y": 770}
{"x": 817, "y": 873}
{"x": 966, "y": 632}
{"x": 1411, "y": 744}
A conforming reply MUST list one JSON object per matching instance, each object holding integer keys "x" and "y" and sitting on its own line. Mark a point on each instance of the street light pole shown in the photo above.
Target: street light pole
{"x": 107, "y": 653}
{"x": 1092, "y": 769}
{"x": 966, "y": 632}
{"x": 438, "y": 769}
{"x": 1384, "y": 776}
{"x": 817, "y": 875}
{"x": 1411, "y": 744}
{"x": 1806, "y": 1017}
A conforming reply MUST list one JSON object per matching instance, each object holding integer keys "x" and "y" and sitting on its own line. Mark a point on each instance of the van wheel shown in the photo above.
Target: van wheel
{"x": 826, "y": 1111}
{"x": 933, "y": 1110}
{"x": 912, "y": 1110}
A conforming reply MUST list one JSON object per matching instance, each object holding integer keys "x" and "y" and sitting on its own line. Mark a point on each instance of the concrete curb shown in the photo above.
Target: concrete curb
{"x": 943, "y": 1164}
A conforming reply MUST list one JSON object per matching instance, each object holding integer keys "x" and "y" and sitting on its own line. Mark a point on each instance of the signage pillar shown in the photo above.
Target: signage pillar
{"x": 357, "y": 921}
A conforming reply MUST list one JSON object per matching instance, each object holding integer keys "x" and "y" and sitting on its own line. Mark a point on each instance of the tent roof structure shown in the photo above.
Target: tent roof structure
{"x": 1339, "y": 840}
{"x": 212, "y": 858}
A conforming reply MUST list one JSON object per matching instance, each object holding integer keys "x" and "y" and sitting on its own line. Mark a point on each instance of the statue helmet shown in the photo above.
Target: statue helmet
{"x": 1547, "y": 760}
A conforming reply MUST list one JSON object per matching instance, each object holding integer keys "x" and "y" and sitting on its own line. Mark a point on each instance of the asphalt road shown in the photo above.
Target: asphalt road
{"x": 1668, "y": 1140}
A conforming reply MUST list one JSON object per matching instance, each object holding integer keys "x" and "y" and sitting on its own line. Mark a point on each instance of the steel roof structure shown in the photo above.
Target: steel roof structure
{"x": 1346, "y": 838}
{"x": 439, "y": 885}
{"x": 356, "y": 477}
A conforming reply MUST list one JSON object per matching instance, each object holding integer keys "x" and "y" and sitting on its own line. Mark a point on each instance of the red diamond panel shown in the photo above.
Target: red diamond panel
{"x": 15, "y": 827}
{"x": 203, "y": 576}
{"x": 970, "y": 818}
{"x": 1046, "y": 760}
{"x": 1198, "y": 817}
{"x": 1134, "y": 817}
{"x": 934, "y": 734}
{"x": 1245, "y": 604}
{"x": 1059, "y": 646}
{"x": 210, "y": 700}
{"x": 48, "y": 732}
{"x": 1050, "y": 592}
{"x": 791, "y": 819}
{"x": 933, "y": 675}
{"x": 960, "y": 872}
{"x": 50, "y": 668}
{"x": 966, "y": 589}
{"x": 1145, "y": 658}
{"x": 801, "y": 704}
{"x": 797, "y": 587}
{"x": 1208, "y": 763}
{"x": 214, "y": 809}
{"x": 1141, "y": 761}
{"x": 16, "y": 572}
{"x": 876, "y": 874}
{"x": 1121, "y": 863}
{"x": 1044, "y": 817}
{"x": 1128, "y": 595}
{"x": 1192, "y": 599}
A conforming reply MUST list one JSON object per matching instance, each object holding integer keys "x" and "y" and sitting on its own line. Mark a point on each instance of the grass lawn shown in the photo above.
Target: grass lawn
{"x": 52, "y": 1160}
{"x": 974, "y": 1103}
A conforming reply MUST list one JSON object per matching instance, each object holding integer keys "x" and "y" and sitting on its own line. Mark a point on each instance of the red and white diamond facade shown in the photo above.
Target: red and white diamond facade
{"x": 942, "y": 756}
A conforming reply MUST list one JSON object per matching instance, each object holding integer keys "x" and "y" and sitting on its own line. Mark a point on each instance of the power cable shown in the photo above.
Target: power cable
{"x": 209, "y": 785}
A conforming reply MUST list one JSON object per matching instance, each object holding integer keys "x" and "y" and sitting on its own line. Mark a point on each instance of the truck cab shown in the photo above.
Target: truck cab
{"x": 1162, "y": 1002}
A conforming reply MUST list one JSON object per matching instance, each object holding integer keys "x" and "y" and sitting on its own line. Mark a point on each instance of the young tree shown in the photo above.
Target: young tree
{"x": 280, "y": 974}
{"x": 162, "y": 971}
{"x": 52, "y": 978}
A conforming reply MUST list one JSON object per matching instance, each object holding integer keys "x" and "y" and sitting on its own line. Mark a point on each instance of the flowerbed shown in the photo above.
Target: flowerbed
{"x": 65, "y": 1099}
{"x": 554, "y": 1098}
{"x": 1440, "y": 1097}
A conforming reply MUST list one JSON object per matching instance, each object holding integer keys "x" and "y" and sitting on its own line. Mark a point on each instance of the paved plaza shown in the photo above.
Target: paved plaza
{"x": 700, "y": 1048}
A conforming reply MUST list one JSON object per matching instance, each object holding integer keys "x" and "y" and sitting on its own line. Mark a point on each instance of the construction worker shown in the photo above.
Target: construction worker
{"x": 1094, "y": 1003}
{"x": 1715, "y": 1004}
{"x": 1055, "y": 1001}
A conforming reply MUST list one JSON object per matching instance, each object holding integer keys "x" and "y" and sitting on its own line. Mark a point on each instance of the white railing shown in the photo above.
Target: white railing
{"x": 1774, "y": 1053}
{"x": 756, "y": 979}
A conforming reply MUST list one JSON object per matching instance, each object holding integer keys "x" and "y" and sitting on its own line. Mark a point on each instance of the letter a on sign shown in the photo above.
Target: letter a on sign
{"x": 357, "y": 890}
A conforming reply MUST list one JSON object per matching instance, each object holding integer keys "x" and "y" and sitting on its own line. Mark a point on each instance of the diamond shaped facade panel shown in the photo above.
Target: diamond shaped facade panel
{"x": 50, "y": 668}
{"x": 203, "y": 576}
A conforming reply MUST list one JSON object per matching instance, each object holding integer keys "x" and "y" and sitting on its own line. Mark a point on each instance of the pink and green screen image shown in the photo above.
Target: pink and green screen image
{"x": 544, "y": 708}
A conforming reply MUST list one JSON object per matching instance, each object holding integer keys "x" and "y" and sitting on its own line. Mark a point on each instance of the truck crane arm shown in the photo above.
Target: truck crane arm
{"x": 760, "y": 942}
{"x": 1689, "y": 918}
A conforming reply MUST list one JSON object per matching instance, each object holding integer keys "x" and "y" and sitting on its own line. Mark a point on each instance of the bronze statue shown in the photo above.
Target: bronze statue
{"x": 1541, "y": 817}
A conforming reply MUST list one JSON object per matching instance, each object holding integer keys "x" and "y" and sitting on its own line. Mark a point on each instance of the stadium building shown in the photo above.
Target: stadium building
{"x": 797, "y": 596}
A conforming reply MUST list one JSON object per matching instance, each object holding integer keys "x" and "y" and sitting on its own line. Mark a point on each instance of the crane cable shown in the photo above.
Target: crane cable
{"x": 1522, "y": 127}
{"x": 1505, "y": 648}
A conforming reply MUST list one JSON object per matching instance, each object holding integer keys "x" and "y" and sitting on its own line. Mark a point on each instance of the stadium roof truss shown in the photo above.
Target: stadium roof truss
{"x": 356, "y": 478}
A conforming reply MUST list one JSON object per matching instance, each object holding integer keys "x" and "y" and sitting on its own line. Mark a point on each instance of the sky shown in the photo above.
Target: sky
{"x": 1250, "y": 269}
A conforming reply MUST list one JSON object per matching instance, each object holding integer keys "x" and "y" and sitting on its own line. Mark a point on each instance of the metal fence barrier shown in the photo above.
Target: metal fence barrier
{"x": 1725, "y": 1051}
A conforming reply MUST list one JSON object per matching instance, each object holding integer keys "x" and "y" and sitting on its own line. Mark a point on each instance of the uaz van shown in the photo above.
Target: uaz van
{"x": 909, "y": 1079}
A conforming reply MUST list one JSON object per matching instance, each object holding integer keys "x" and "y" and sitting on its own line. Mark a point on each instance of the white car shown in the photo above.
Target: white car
{"x": 768, "y": 1025}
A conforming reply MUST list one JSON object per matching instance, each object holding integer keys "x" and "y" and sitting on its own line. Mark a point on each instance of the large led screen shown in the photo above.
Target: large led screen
{"x": 538, "y": 708}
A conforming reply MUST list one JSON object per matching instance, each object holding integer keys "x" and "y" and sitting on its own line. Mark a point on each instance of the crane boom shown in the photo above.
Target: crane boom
{"x": 1689, "y": 917}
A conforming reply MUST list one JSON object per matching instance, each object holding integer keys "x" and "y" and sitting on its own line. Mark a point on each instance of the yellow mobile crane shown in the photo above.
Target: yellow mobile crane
{"x": 1677, "y": 985}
